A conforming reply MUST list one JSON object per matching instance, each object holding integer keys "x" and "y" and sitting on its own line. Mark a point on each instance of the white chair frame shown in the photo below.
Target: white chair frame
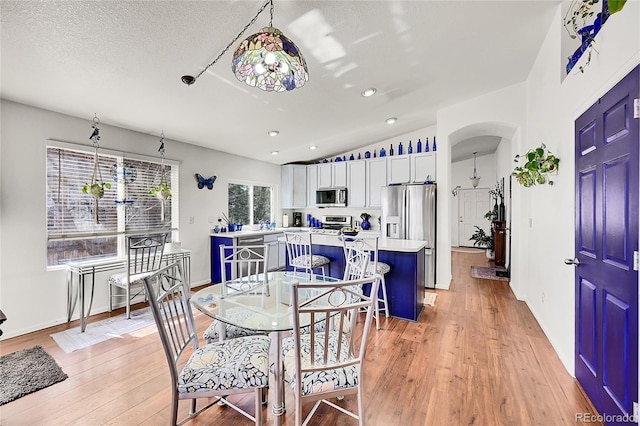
{"x": 169, "y": 297}
{"x": 300, "y": 253}
{"x": 144, "y": 257}
{"x": 334, "y": 348}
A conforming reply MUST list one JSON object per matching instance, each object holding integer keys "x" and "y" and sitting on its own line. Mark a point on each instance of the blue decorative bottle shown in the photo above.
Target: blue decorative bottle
{"x": 434, "y": 144}
{"x": 391, "y": 151}
{"x": 351, "y": 158}
{"x": 383, "y": 152}
{"x": 426, "y": 145}
{"x": 410, "y": 149}
{"x": 419, "y": 147}
{"x": 374, "y": 154}
{"x": 400, "y": 148}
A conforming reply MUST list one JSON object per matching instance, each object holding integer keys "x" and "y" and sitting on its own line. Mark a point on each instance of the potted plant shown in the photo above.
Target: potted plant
{"x": 96, "y": 188}
{"x": 540, "y": 162}
{"x": 481, "y": 239}
{"x": 161, "y": 191}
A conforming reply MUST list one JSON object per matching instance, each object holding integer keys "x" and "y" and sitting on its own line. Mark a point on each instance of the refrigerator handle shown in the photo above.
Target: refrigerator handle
{"x": 405, "y": 219}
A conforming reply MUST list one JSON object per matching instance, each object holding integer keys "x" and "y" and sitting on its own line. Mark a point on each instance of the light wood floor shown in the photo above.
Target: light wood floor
{"x": 478, "y": 357}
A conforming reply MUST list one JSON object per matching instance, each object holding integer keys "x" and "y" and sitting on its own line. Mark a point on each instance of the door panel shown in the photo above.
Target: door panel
{"x": 472, "y": 206}
{"x": 606, "y": 353}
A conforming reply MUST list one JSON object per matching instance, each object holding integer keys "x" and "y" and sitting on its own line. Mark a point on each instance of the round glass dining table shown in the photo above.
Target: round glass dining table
{"x": 264, "y": 307}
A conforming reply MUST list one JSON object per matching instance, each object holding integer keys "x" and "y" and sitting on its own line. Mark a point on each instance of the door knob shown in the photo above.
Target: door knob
{"x": 573, "y": 261}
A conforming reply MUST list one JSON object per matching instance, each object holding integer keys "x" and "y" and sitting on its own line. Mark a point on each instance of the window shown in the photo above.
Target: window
{"x": 250, "y": 204}
{"x": 126, "y": 208}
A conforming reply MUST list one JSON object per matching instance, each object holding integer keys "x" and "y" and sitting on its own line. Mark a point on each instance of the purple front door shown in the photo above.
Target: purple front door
{"x": 606, "y": 348}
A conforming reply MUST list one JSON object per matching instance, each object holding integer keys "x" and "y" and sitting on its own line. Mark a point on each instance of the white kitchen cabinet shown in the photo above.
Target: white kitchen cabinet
{"x": 356, "y": 183}
{"x": 399, "y": 169}
{"x": 376, "y": 177}
{"x": 423, "y": 167}
{"x": 293, "y": 186}
{"x": 332, "y": 175}
{"x": 312, "y": 184}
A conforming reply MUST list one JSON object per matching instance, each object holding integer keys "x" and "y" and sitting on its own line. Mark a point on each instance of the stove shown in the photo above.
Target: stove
{"x": 336, "y": 222}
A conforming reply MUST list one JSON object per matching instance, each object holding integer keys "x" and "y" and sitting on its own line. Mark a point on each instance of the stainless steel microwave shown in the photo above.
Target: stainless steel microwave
{"x": 331, "y": 197}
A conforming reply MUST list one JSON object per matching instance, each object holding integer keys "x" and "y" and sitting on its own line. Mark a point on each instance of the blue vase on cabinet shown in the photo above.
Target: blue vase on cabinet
{"x": 365, "y": 225}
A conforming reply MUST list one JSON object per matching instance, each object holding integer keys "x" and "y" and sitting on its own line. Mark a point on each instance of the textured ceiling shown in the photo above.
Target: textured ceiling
{"x": 123, "y": 60}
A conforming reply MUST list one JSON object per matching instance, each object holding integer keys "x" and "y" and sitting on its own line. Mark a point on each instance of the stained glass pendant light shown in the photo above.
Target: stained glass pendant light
{"x": 268, "y": 59}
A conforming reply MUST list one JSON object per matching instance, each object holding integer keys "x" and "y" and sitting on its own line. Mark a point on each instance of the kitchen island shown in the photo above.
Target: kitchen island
{"x": 405, "y": 282}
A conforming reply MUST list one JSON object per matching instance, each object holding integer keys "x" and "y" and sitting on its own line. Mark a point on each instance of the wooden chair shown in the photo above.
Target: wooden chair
{"x": 300, "y": 253}
{"x": 144, "y": 257}
{"x": 215, "y": 370}
{"x": 358, "y": 246}
{"x": 242, "y": 268}
{"x": 328, "y": 363}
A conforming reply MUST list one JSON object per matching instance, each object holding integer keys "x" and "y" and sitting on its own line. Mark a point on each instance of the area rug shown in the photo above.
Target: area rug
{"x": 430, "y": 299}
{"x": 486, "y": 273}
{"x": 27, "y": 371}
{"x": 96, "y": 332}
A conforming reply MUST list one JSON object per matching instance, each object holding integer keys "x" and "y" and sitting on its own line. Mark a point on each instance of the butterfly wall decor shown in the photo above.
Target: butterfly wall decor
{"x": 202, "y": 182}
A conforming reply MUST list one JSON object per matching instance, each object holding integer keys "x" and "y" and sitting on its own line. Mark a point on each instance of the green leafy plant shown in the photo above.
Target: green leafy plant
{"x": 96, "y": 188}
{"x": 161, "y": 191}
{"x": 539, "y": 163}
{"x": 481, "y": 239}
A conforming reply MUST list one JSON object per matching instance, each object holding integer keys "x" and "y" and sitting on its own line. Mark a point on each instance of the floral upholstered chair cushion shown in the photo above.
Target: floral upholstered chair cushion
{"x": 315, "y": 261}
{"x": 319, "y": 381}
{"x": 231, "y": 364}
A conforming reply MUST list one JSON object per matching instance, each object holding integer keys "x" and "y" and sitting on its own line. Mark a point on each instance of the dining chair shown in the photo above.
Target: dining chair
{"x": 358, "y": 246}
{"x": 215, "y": 370}
{"x": 328, "y": 363}
{"x": 300, "y": 253}
{"x": 242, "y": 269}
{"x": 144, "y": 257}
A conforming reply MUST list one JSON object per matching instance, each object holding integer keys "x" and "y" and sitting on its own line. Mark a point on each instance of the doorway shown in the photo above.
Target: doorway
{"x": 473, "y": 204}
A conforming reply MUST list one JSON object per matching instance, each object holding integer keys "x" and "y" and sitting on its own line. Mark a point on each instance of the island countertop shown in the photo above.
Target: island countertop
{"x": 384, "y": 244}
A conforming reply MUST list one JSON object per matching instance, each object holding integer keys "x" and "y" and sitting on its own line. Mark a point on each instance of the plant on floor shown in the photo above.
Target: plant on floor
{"x": 481, "y": 239}
{"x": 540, "y": 163}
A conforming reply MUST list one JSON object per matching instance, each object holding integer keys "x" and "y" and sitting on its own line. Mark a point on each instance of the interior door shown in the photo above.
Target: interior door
{"x": 473, "y": 204}
{"x": 606, "y": 282}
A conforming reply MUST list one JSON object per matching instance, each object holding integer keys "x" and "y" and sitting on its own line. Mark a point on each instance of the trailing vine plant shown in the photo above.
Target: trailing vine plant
{"x": 539, "y": 164}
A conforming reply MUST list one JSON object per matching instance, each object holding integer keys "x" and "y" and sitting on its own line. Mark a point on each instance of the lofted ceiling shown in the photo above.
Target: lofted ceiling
{"x": 123, "y": 61}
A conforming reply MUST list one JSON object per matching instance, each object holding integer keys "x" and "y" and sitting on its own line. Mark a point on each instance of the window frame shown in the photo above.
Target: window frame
{"x": 252, "y": 184}
{"x": 121, "y": 233}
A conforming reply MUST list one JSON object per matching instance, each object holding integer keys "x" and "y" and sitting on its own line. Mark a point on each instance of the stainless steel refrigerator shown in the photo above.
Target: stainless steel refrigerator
{"x": 409, "y": 213}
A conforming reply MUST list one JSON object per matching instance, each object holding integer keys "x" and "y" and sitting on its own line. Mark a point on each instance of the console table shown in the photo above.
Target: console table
{"x": 77, "y": 273}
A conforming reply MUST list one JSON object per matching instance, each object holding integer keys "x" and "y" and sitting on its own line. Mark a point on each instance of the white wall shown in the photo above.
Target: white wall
{"x": 543, "y": 110}
{"x": 552, "y": 108}
{"x": 34, "y": 298}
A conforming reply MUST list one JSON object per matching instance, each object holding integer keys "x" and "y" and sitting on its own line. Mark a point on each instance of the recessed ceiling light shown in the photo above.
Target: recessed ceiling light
{"x": 275, "y": 152}
{"x": 312, "y": 147}
{"x": 273, "y": 133}
{"x": 369, "y": 92}
{"x": 391, "y": 120}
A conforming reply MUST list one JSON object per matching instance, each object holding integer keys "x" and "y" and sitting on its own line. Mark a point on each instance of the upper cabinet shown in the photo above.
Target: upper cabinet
{"x": 398, "y": 169}
{"x": 332, "y": 175}
{"x": 376, "y": 171}
{"x": 423, "y": 167}
{"x": 413, "y": 168}
{"x": 294, "y": 186}
{"x": 312, "y": 184}
{"x": 356, "y": 183}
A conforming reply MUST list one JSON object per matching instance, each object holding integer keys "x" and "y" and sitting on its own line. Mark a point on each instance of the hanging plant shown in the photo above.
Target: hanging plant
{"x": 162, "y": 191}
{"x": 540, "y": 163}
{"x": 96, "y": 186}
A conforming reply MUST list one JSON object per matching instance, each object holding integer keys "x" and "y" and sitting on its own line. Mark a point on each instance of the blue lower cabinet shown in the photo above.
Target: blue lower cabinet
{"x": 216, "y": 242}
{"x": 405, "y": 282}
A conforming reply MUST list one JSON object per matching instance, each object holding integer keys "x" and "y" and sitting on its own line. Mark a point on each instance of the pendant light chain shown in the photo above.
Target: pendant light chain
{"x": 233, "y": 41}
